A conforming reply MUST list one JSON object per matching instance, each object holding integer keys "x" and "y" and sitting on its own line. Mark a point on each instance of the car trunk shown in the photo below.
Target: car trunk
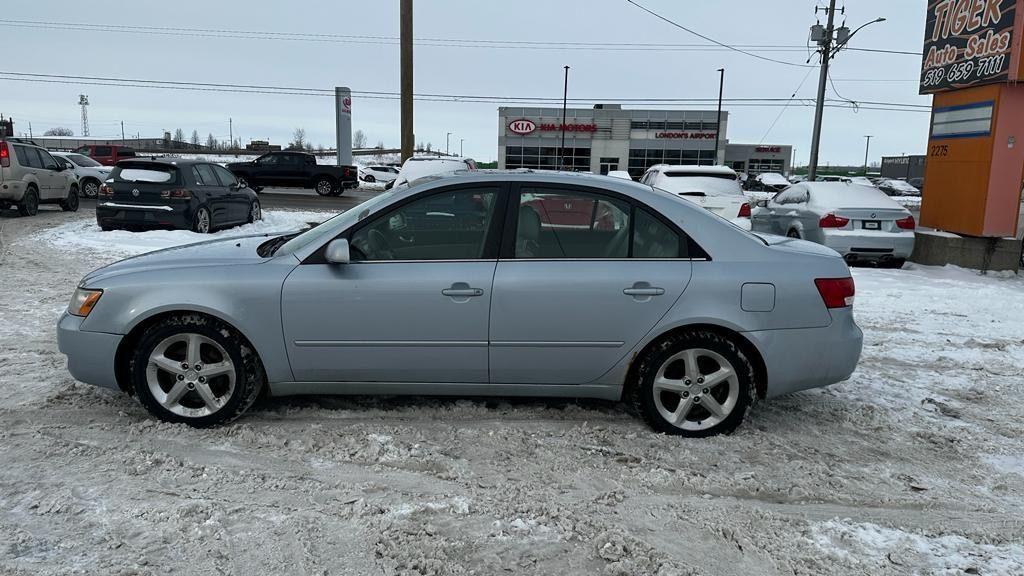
{"x": 724, "y": 206}
{"x": 872, "y": 219}
{"x": 142, "y": 183}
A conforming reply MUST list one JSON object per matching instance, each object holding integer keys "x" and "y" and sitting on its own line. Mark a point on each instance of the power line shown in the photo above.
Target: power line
{"x": 783, "y": 111}
{"x": 712, "y": 40}
{"x": 393, "y": 40}
{"x": 382, "y": 95}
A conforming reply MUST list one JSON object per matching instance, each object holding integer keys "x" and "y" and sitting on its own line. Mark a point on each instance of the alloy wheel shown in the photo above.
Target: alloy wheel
{"x": 190, "y": 375}
{"x": 202, "y": 221}
{"x": 324, "y": 187}
{"x": 696, "y": 389}
{"x": 255, "y": 214}
{"x": 91, "y": 189}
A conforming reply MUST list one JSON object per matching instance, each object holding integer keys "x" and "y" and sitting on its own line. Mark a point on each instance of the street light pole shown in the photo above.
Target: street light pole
{"x": 867, "y": 146}
{"x": 819, "y": 107}
{"x": 461, "y": 140}
{"x": 718, "y": 124}
{"x": 565, "y": 99}
{"x": 447, "y": 150}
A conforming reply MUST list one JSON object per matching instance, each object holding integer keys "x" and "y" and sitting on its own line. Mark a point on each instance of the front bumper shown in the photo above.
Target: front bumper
{"x": 90, "y": 354}
{"x": 870, "y": 244}
{"x": 823, "y": 355}
{"x": 116, "y": 214}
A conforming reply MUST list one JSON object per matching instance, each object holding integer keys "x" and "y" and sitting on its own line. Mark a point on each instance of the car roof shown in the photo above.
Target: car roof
{"x": 719, "y": 170}
{"x": 163, "y": 161}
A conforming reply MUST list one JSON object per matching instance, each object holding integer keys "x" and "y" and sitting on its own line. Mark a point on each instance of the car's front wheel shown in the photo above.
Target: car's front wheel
{"x": 369, "y": 178}
{"x": 195, "y": 370}
{"x": 694, "y": 384}
{"x": 70, "y": 204}
{"x": 91, "y": 188}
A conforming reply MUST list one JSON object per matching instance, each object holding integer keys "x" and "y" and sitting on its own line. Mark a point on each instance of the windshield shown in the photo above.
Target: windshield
{"x": 334, "y": 224}
{"x": 83, "y": 161}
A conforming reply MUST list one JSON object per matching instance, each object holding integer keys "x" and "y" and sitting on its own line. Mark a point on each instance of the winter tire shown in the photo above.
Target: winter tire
{"x": 195, "y": 370}
{"x": 695, "y": 384}
{"x": 202, "y": 222}
{"x": 255, "y": 212}
{"x": 70, "y": 204}
{"x": 91, "y": 188}
{"x": 324, "y": 187}
{"x": 29, "y": 205}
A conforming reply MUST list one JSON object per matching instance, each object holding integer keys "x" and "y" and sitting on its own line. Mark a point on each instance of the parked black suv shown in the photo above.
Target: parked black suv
{"x": 295, "y": 170}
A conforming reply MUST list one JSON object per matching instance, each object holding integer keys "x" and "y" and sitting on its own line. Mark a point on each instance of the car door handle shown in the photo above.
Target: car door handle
{"x": 462, "y": 290}
{"x": 649, "y": 291}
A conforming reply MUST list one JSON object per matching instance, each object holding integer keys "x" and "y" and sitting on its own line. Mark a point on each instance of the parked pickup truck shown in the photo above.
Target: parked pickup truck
{"x": 294, "y": 170}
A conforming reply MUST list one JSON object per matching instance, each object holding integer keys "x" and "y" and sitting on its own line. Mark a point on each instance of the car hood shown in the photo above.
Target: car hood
{"x": 239, "y": 250}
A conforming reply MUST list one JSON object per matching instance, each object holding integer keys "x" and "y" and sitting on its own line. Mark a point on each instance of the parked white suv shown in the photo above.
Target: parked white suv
{"x": 714, "y": 188}
{"x": 30, "y": 176}
{"x": 90, "y": 173}
{"x": 383, "y": 174}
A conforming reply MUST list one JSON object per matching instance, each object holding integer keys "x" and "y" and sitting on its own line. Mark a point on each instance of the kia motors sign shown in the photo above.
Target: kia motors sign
{"x": 967, "y": 43}
{"x": 521, "y": 126}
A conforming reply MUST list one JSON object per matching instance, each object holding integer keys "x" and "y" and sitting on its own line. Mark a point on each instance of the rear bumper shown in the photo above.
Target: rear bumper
{"x": 112, "y": 213}
{"x": 90, "y": 354}
{"x": 870, "y": 245}
{"x": 12, "y": 191}
{"x": 823, "y": 355}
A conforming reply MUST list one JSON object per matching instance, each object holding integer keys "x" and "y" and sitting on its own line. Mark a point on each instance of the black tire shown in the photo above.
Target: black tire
{"x": 90, "y": 188}
{"x": 197, "y": 221}
{"x": 325, "y": 186}
{"x": 107, "y": 228}
{"x": 250, "y": 377}
{"x": 369, "y": 178}
{"x": 895, "y": 263}
{"x": 793, "y": 233}
{"x": 255, "y": 212}
{"x": 642, "y": 394}
{"x": 29, "y": 205}
{"x": 70, "y": 204}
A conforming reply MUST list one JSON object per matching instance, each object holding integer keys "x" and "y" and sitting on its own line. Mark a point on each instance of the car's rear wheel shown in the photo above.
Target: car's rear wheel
{"x": 369, "y": 178}
{"x": 694, "y": 384}
{"x": 793, "y": 233}
{"x": 895, "y": 263}
{"x": 324, "y": 187}
{"x": 202, "y": 222}
{"x": 29, "y": 205}
{"x": 91, "y": 188}
{"x": 255, "y": 212}
{"x": 70, "y": 204}
{"x": 195, "y": 370}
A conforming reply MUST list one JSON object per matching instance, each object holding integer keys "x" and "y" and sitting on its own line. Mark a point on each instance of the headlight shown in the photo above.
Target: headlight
{"x": 84, "y": 301}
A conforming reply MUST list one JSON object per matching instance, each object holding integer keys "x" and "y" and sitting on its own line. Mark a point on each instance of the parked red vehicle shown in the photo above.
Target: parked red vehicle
{"x": 106, "y": 154}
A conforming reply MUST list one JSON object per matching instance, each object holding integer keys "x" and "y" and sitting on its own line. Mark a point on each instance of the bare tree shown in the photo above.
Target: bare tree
{"x": 359, "y": 139}
{"x": 59, "y": 131}
{"x": 179, "y": 137}
{"x": 380, "y": 144}
{"x": 211, "y": 142}
{"x": 195, "y": 138}
{"x": 429, "y": 145}
{"x": 298, "y": 139}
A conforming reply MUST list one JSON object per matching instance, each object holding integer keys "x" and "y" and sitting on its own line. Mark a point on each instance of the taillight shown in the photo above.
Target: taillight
{"x": 106, "y": 190}
{"x": 833, "y": 221}
{"x": 5, "y": 156}
{"x": 836, "y": 292}
{"x": 744, "y": 211}
{"x": 177, "y": 194}
{"x": 906, "y": 223}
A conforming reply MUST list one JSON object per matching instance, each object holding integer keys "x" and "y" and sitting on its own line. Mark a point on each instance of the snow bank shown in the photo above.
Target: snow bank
{"x": 86, "y": 234}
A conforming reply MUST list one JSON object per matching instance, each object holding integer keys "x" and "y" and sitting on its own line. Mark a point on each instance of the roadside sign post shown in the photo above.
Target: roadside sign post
{"x": 343, "y": 113}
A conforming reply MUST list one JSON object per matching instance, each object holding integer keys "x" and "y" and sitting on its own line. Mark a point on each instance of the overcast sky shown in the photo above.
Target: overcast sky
{"x": 502, "y": 72}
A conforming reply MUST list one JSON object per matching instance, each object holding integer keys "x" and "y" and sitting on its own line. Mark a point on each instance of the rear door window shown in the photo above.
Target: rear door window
{"x": 571, "y": 224}
{"x": 102, "y": 151}
{"x": 208, "y": 177}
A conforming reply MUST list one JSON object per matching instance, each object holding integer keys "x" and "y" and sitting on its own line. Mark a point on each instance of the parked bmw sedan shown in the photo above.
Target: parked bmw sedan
{"x": 859, "y": 222}
{"x": 463, "y": 285}
{"x": 174, "y": 193}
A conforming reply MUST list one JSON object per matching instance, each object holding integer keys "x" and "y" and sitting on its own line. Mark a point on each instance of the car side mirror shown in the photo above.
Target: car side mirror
{"x": 54, "y": 167}
{"x": 233, "y": 186}
{"x": 337, "y": 252}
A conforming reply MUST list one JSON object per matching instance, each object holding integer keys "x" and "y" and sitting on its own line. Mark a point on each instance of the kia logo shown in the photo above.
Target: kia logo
{"x": 135, "y": 192}
{"x": 521, "y": 126}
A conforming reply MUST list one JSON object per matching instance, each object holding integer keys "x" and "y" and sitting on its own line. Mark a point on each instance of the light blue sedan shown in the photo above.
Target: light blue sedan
{"x": 512, "y": 284}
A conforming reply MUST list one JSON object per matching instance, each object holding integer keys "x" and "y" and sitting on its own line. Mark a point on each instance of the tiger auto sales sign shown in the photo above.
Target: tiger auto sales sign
{"x": 967, "y": 43}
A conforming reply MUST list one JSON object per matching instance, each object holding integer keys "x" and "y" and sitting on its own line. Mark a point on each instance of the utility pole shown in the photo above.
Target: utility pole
{"x": 122, "y": 131}
{"x": 718, "y": 124}
{"x": 447, "y": 149}
{"x": 819, "y": 107}
{"x": 565, "y": 99}
{"x": 30, "y": 131}
{"x": 461, "y": 140}
{"x": 867, "y": 146}
{"x": 405, "y": 49}
{"x": 231, "y": 132}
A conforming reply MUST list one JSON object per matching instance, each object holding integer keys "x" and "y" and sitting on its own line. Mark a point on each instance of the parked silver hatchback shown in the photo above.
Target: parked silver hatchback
{"x": 511, "y": 284}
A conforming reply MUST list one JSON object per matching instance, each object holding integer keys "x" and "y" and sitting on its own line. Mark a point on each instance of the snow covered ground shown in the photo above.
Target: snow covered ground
{"x": 913, "y": 466}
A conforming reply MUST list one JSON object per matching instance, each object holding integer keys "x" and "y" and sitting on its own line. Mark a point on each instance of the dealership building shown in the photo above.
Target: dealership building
{"x": 607, "y": 137}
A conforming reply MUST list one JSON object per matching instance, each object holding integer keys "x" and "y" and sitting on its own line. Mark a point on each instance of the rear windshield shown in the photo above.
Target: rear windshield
{"x": 675, "y": 174}
{"x": 149, "y": 173}
{"x": 707, "y": 184}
